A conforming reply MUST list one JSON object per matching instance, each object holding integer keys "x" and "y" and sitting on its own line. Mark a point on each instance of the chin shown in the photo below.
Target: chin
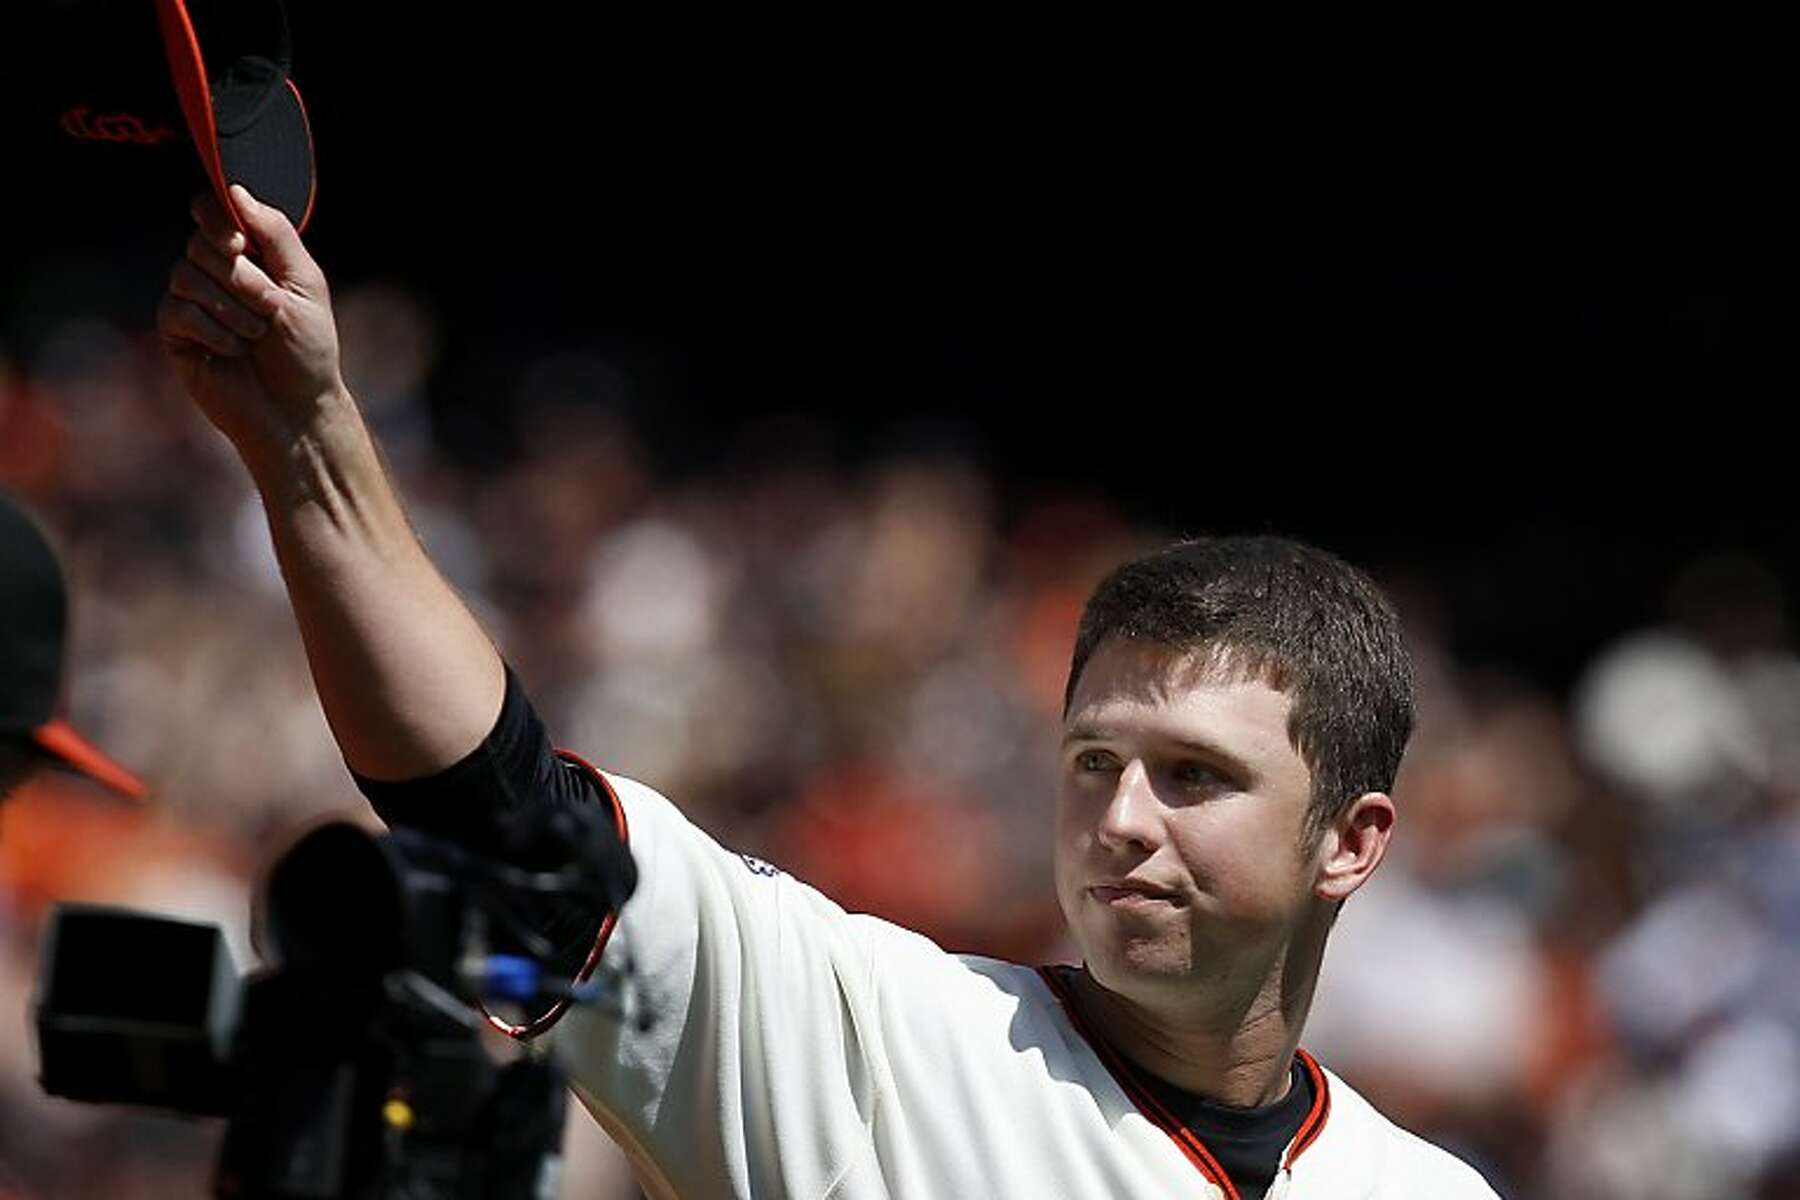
{"x": 1127, "y": 965}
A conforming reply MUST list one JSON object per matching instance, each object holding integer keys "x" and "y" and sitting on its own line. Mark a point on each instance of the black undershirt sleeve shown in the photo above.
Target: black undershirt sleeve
{"x": 475, "y": 803}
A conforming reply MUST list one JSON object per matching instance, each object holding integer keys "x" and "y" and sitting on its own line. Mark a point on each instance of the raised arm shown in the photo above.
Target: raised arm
{"x": 408, "y": 680}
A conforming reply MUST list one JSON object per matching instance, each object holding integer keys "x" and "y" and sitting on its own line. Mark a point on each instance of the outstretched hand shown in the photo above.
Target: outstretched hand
{"x": 253, "y": 340}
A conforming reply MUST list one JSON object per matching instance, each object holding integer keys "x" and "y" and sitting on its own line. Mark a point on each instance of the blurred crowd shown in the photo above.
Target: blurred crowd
{"x": 1579, "y": 968}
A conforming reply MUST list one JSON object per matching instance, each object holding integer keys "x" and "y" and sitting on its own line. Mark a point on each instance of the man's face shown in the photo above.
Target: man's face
{"x": 1179, "y": 819}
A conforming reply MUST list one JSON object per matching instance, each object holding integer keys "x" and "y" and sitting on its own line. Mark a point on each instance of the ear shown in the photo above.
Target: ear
{"x": 1351, "y": 849}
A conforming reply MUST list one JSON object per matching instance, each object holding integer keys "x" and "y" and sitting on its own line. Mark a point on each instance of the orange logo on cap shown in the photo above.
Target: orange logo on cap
{"x": 113, "y": 127}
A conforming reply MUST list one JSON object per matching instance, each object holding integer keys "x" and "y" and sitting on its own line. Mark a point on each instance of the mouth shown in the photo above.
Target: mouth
{"x": 1130, "y": 893}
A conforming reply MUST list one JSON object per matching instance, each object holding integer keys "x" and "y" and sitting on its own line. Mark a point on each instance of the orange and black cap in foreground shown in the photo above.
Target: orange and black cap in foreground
{"x": 135, "y": 76}
{"x": 33, "y": 627}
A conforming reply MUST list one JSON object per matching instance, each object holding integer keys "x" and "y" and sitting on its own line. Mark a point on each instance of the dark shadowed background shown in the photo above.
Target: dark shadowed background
{"x": 1515, "y": 298}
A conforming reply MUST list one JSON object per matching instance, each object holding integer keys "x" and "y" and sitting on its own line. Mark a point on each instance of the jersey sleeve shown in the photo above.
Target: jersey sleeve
{"x": 747, "y": 1058}
{"x": 1362, "y": 1153}
{"x": 755, "y": 1074}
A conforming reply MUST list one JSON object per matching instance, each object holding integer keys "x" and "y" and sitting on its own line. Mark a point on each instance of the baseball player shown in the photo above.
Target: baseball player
{"x": 1236, "y": 712}
{"x": 33, "y": 624}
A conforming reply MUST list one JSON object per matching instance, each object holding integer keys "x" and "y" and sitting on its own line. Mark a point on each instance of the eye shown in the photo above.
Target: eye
{"x": 1191, "y": 773}
{"x": 1093, "y": 760}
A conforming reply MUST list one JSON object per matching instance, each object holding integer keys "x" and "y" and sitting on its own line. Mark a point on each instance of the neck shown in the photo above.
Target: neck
{"x": 1232, "y": 1045}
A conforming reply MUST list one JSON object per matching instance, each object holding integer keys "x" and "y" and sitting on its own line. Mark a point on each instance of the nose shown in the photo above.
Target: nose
{"x": 1132, "y": 816}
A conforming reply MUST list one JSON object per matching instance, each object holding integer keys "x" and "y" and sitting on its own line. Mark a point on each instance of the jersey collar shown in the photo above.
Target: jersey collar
{"x": 1185, "y": 1139}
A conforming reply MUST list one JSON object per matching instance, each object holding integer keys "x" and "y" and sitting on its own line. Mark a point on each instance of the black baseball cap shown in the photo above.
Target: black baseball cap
{"x": 132, "y": 76}
{"x": 33, "y": 624}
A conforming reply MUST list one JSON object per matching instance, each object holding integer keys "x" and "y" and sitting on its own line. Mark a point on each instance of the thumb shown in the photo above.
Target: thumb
{"x": 279, "y": 246}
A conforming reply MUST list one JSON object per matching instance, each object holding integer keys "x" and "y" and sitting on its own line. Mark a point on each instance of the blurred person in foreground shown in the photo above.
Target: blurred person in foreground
{"x": 34, "y": 608}
{"x": 1235, "y": 715}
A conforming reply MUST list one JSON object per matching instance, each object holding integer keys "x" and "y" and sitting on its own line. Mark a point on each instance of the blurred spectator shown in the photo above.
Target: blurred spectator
{"x": 1696, "y": 723}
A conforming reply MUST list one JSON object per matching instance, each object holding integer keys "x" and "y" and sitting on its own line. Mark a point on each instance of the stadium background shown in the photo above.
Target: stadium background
{"x": 776, "y": 393}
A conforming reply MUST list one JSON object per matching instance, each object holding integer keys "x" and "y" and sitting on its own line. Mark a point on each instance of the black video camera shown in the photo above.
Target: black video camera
{"x": 352, "y": 1066}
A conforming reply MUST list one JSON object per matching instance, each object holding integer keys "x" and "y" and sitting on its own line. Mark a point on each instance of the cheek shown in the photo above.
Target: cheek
{"x": 1074, "y": 840}
{"x": 1067, "y": 834}
{"x": 1249, "y": 864}
{"x": 1072, "y": 817}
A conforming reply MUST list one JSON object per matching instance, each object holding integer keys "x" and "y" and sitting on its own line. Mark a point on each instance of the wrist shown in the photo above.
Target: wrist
{"x": 285, "y": 448}
{"x": 323, "y": 462}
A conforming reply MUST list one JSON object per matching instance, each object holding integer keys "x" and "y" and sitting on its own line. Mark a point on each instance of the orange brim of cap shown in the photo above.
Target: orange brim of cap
{"x": 188, "y": 70}
{"x": 60, "y": 739}
{"x": 286, "y": 138}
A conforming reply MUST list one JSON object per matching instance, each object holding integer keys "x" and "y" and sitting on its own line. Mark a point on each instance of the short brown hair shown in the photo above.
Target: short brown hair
{"x": 1304, "y": 621}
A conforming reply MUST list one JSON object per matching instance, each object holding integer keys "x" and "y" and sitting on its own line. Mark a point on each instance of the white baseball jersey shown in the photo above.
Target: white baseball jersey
{"x": 805, "y": 1053}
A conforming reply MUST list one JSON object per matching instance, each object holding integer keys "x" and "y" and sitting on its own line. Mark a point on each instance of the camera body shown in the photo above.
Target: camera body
{"x": 353, "y": 1065}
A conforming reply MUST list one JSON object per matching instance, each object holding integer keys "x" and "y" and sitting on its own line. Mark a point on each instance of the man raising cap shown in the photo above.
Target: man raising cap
{"x": 1236, "y": 712}
{"x": 33, "y": 625}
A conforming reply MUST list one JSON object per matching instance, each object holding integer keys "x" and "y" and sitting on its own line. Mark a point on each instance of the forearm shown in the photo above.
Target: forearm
{"x": 408, "y": 680}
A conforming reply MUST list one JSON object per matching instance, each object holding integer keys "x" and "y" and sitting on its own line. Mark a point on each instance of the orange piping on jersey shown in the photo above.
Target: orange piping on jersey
{"x": 1185, "y": 1139}
{"x": 1316, "y": 1116}
{"x": 531, "y": 1029}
